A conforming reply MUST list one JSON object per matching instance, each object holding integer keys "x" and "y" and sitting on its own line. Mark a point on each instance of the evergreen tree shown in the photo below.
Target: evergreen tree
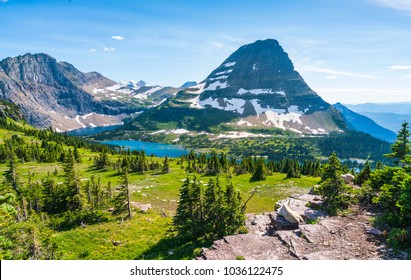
{"x": 260, "y": 171}
{"x": 214, "y": 207}
{"x": 12, "y": 175}
{"x": 211, "y": 214}
{"x": 74, "y": 195}
{"x": 12, "y": 179}
{"x": 122, "y": 200}
{"x": 233, "y": 214}
{"x": 77, "y": 156}
{"x": 183, "y": 219}
{"x": 364, "y": 174}
{"x": 166, "y": 166}
{"x": 401, "y": 147}
{"x": 332, "y": 187}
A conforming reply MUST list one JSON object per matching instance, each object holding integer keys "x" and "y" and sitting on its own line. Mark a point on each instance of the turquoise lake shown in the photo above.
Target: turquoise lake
{"x": 158, "y": 149}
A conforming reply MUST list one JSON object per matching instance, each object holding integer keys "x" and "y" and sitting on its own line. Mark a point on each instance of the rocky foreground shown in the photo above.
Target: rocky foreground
{"x": 325, "y": 238}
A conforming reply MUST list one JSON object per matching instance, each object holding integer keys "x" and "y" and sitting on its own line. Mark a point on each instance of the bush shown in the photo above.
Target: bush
{"x": 399, "y": 238}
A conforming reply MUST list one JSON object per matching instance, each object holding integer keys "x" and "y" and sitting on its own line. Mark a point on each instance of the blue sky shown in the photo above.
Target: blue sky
{"x": 352, "y": 51}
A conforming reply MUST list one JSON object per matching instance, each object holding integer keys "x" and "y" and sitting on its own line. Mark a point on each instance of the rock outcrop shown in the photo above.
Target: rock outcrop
{"x": 322, "y": 237}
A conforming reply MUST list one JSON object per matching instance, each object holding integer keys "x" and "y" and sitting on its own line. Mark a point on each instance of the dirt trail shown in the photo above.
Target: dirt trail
{"x": 329, "y": 238}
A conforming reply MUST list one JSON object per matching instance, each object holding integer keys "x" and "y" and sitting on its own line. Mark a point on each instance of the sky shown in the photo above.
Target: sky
{"x": 351, "y": 51}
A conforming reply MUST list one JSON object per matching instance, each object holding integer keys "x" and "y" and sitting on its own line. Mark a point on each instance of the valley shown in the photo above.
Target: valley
{"x": 184, "y": 166}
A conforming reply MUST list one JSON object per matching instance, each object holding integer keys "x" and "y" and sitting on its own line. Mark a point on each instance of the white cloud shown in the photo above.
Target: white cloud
{"x": 117, "y": 37}
{"x": 92, "y": 50}
{"x": 109, "y": 49}
{"x": 403, "y": 5}
{"x": 315, "y": 69}
{"x": 363, "y": 95}
{"x": 331, "y": 77}
{"x": 4, "y": 1}
{"x": 400, "y": 67}
{"x": 215, "y": 44}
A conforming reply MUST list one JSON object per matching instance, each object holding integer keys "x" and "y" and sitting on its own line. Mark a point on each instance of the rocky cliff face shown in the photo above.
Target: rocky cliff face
{"x": 54, "y": 93}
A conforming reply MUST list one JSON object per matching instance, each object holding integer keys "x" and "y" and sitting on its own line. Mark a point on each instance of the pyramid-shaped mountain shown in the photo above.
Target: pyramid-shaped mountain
{"x": 259, "y": 77}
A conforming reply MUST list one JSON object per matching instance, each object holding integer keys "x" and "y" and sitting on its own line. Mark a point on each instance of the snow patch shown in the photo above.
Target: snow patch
{"x": 195, "y": 102}
{"x": 259, "y": 91}
{"x": 219, "y": 78}
{"x": 295, "y": 130}
{"x": 278, "y": 119}
{"x": 146, "y": 94}
{"x": 217, "y": 85}
{"x": 229, "y": 64}
{"x": 87, "y": 115}
{"x": 260, "y": 110}
{"x": 241, "y": 122}
{"x": 180, "y": 131}
{"x": 196, "y": 89}
{"x": 255, "y": 67}
{"x": 77, "y": 119}
{"x": 224, "y": 72}
{"x": 294, "y": 109}
{"x": 233, "y": 104}
{"x": 239, "y": 134}
{"x": 158, "y": 132}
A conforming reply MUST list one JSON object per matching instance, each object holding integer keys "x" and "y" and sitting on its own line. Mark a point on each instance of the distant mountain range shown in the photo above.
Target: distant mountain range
{"x": 255, "y": 89}
{"x": 388, "y": 115}
{"x": 362, "y": 123}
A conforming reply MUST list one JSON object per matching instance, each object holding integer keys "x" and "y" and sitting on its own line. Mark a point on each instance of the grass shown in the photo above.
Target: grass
{"x": 147, "y": 235}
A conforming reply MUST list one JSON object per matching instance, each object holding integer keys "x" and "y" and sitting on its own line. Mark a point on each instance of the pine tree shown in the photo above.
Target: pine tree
{"x": 12, "y": 177}
{"x": 234, "y": 217}
{"x": 401, "y": 147}
{"x": 166, "y": 166}
{"x": 122, "y": 200}
{"x": 214, "y": 206}
{"x": 183, "y": 219}
{"x": 364, "y": 174}
{"x": 332, "y": 187}
{"x": 260, "y": 171}
{"x": 74, "y": 195}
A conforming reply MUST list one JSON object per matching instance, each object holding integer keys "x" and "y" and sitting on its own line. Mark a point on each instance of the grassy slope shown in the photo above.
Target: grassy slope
{"x": 145, "y": 236}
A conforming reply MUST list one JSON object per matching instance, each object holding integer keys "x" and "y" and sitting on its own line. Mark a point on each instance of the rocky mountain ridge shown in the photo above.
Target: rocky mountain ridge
{"x": 56, "y": 94}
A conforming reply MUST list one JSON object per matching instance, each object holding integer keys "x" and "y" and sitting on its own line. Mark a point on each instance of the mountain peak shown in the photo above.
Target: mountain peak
{"x": 259, "y": 77}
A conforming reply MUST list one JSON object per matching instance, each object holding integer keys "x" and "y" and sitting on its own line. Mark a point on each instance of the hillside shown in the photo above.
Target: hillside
{"x": 364, "y": 124}
{"x": 94, "y": 232}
